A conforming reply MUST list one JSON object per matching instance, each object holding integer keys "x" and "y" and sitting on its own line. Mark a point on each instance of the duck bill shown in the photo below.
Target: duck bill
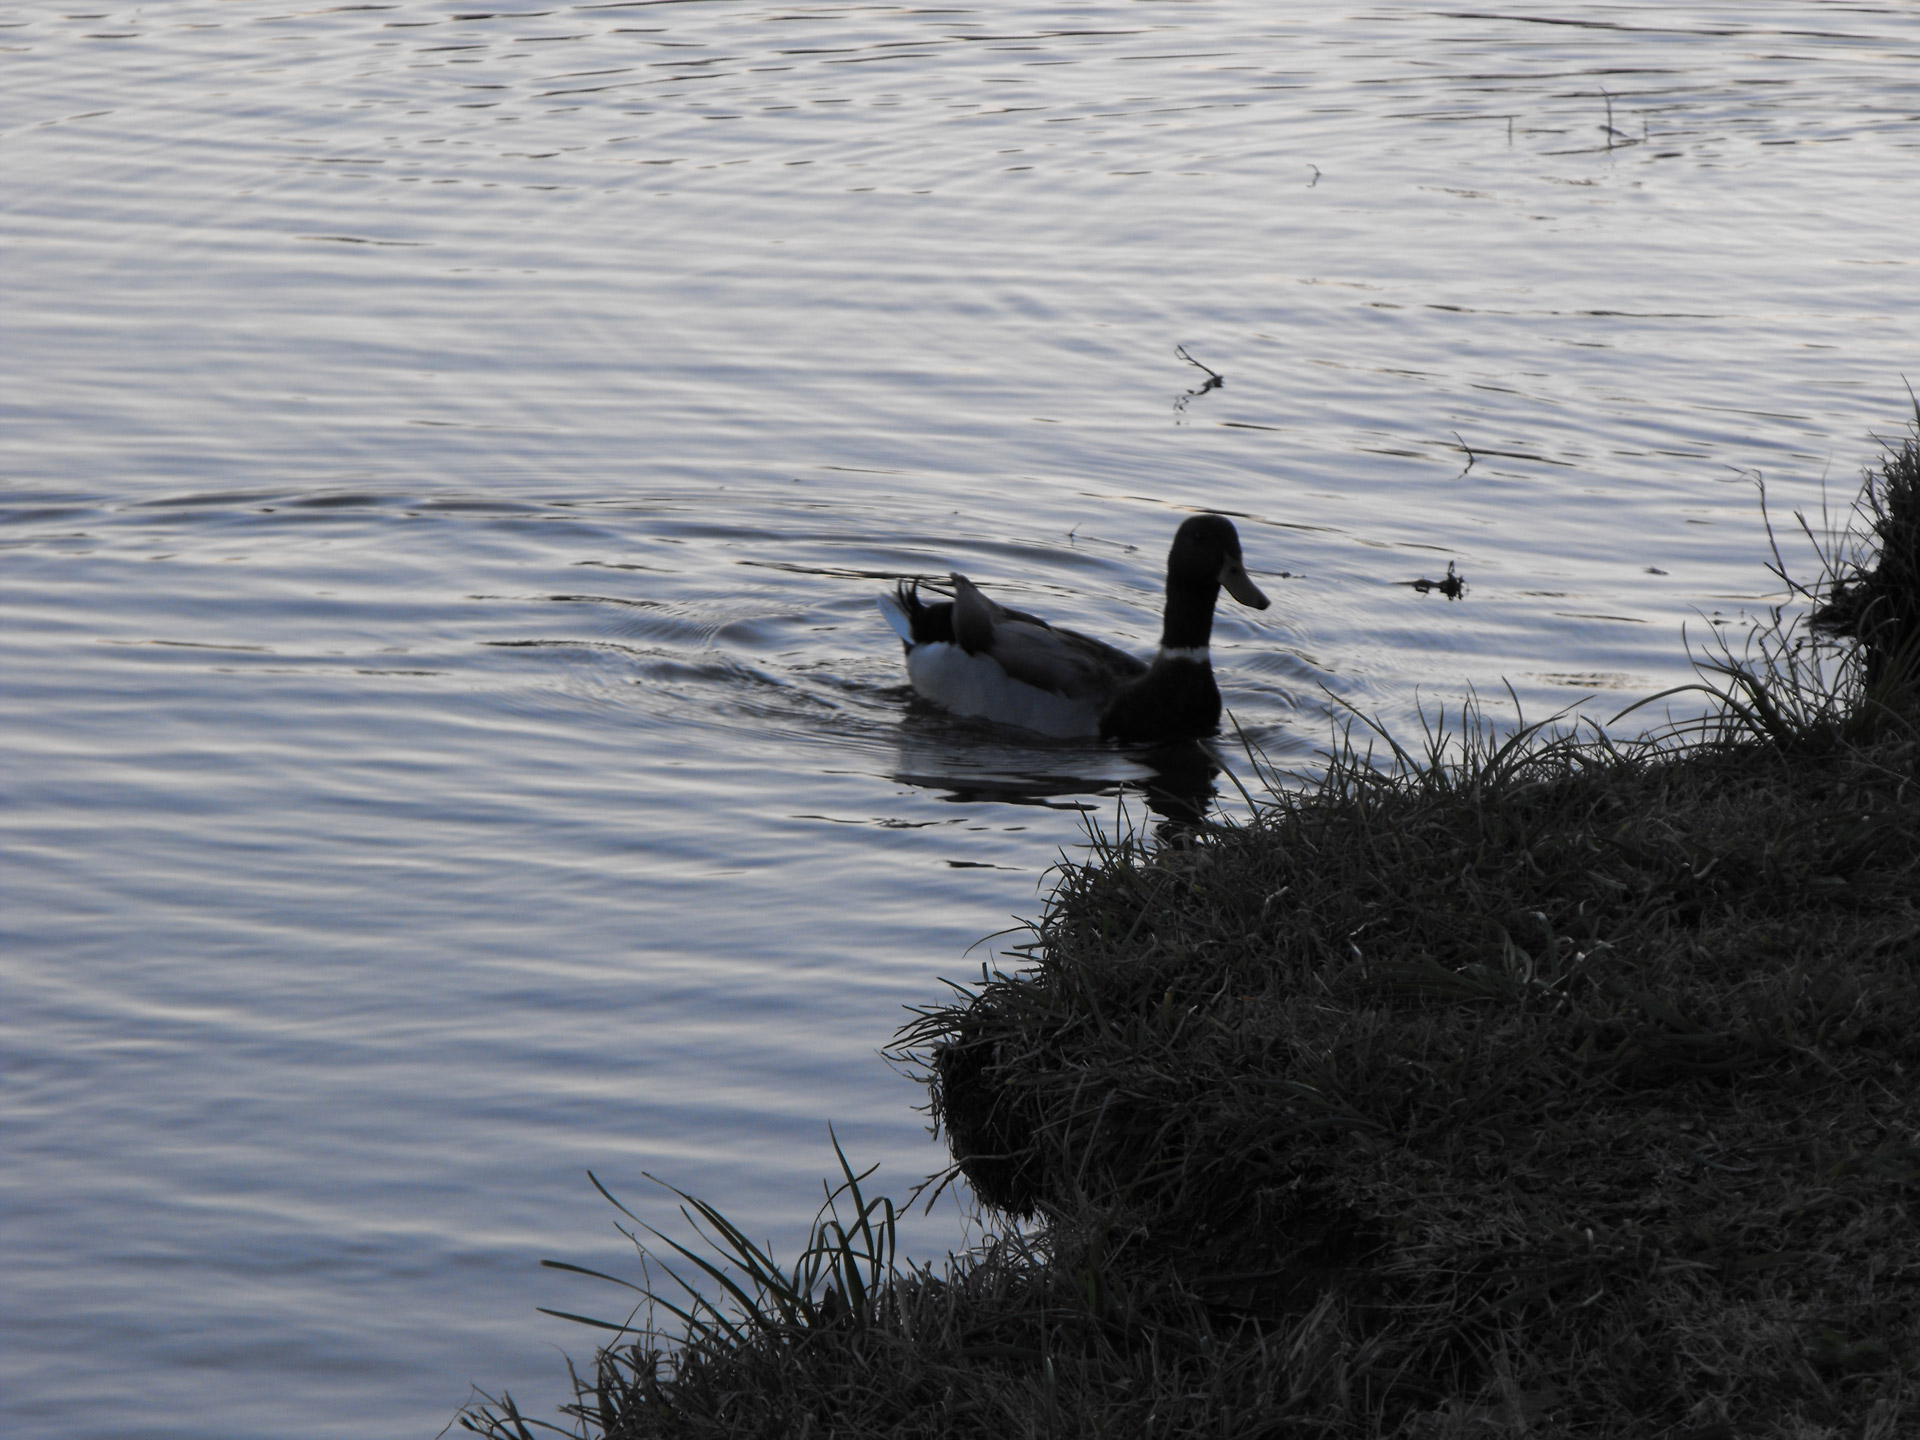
{"x": 1233, "y": 575}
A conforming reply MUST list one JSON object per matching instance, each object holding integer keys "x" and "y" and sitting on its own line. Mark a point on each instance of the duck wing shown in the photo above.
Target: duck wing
{"x": 1030, "y": 650}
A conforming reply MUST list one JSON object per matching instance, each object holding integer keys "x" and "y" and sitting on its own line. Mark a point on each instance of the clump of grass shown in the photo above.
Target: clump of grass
{"x": 1872, "y": 577}
{"x": 1839, "y": 664}
{"x": 1012, "y": 1339}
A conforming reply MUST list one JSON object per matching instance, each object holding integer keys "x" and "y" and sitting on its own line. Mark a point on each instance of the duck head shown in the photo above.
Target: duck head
{"x": 1205, "y": 558}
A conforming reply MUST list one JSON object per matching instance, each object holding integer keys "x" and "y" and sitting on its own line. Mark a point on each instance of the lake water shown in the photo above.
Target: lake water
{"x": 448, "y": 456}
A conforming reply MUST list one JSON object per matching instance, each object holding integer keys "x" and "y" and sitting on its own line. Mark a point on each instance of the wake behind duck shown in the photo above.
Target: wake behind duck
{"x": 975, "y": 657}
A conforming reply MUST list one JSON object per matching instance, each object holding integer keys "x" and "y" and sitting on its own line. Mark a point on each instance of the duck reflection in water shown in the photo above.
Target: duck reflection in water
{"x": 1181, "y": 789}
{"x": 1178, "y": 787}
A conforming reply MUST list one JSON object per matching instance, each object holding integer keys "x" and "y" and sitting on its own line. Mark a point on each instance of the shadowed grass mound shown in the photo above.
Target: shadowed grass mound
{"x": 1532, "y": 1085}
{"x": 1587, "y": 1074}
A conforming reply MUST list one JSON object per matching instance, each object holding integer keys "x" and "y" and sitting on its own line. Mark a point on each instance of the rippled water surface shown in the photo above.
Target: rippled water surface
{"x": 449, "y": 456}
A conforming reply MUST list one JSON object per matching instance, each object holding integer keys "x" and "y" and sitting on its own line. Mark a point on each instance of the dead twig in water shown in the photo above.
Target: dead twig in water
{"x": 1213, "y": 381}
{"x": 1470, "y": 455}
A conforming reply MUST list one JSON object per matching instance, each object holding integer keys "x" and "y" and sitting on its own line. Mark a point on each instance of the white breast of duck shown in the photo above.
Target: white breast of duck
{"x": 975, "y": 657}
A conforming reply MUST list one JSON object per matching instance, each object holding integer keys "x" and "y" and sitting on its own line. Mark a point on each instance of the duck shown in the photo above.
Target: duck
{"x": 975, "y": 657}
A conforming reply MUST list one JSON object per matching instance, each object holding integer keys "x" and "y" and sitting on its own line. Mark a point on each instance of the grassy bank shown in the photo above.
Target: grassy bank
{"x": 1531, "y": 1084}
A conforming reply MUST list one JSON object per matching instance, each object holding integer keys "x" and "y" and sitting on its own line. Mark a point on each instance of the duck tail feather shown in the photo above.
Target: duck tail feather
{"x": 898, "y": 608}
